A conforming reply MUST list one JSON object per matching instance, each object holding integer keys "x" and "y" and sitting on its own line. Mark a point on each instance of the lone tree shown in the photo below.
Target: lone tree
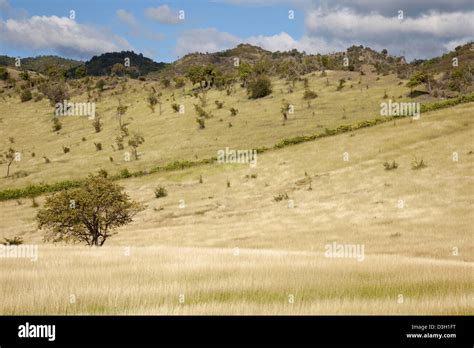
{"x": 134, "y": 142}
{"x": 88, "y": 214}
{"x": 420, "y": 78}
{"x": 10, "y": 156}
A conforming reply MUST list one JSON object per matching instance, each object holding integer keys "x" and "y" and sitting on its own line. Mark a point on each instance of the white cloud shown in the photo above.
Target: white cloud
{"x": 61, "y": 35}
{"x": 163, "y": 14}
{"x": 423, "y": 33}
{"x": 423, "y": 36}
{"x": 205, "y": 40}
{"x": 278, "y": 42}
{"x": 346, "y": 23}
{"x": 212, "y": 40}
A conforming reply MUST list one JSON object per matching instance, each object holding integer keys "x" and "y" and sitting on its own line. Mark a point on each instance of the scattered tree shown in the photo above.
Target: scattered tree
{"x": 10, "y": 156}
{"x": 134, "y": 142}
{"x": 88, "y": 214}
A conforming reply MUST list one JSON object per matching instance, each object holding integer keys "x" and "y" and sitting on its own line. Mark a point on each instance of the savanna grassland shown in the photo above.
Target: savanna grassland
{"x": 221, "y": 241}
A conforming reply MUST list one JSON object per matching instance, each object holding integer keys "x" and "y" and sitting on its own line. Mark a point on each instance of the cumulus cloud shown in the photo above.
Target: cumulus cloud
{"x": 163, "y": 14}
{"x": 212, "y": 40}
{"x": 423, "y": 36}
{"x": 205, "y": 40}
{"x": 346, "y": 23}
{"x": 391, "y": 8}
{"x": 61, "y": 35}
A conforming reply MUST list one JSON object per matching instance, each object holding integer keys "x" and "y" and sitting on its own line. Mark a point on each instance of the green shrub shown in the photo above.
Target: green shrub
{"x": 201, "y": 112}
{"x": 3, "y": 73}
{"x": 179, "y": 82}
{"x": 233, "y": 112}
{"x": 281, "y": 197}
{"x": 309, "y": 94}
{"x": 100, "y": 85}
{"x": 259, "y": 87}
{"x": 17, "y": 240}
{"x": 124, "y": 173}
{"x": 201, "y": 122}
{"x": 57, "y": 125}
{"x": 25, "y": 95}
{"x": 97, "y": 124}
{"x": 390, "y": 166}
{"x": 161, "y": 192}
{"x": 56, "y": 93}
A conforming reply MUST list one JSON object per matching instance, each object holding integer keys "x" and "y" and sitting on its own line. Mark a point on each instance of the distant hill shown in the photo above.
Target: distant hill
{"x": 139, "y": 65}
{"x": 41, "y": 64}
{"x": 290, "y": 63}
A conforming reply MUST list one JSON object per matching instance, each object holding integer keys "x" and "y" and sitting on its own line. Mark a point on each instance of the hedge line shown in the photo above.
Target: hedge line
{"x": 38, "y": 189}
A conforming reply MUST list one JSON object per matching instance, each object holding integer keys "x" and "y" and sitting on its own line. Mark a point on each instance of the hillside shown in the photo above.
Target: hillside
{"x": 173, "y": 136}
{"x": 243, "y": 238}
{"x": 41, "y": 64}
{"x": 267, "y": 251}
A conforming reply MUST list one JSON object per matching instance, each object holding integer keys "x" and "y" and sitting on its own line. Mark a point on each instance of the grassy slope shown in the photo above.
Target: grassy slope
{"x": 173, "y": 136}
{"x": 408, "y": 251}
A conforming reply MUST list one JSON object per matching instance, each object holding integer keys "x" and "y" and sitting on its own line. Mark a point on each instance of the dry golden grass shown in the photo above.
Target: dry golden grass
{"x": 173, "y": 136}
{"x": 174, "y": 251}
{"x": 167, "y": 280}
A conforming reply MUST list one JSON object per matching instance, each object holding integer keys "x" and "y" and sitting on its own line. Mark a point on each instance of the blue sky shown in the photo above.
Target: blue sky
{"x": 429, "y": 28}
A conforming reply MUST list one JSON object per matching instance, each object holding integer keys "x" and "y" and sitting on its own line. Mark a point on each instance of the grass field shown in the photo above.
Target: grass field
{"x": 168, "y": 280}
{"x": 235, "y": 250}
{"x": 172, "y": 136}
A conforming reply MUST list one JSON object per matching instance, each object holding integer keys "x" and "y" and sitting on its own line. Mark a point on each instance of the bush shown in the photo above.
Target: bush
{"x": 219, "y": 104}
{"x": 103, "y": 173}
{"x": 124, "y": 173}
{"x": 152, "y": 101}
{"x": 281, "y": 197}
{"x": 161, "y": 192}
{"x": 179, "y": 82}
{"x": 165, "y": 82}
{"x": 201, "y": 112}
{"x": 341, "y": 84}
{"x": 57, "y": 125}
{"x": 233, "y": 112}
{"x": 3, "y": 73}
{"x": 259, "y": 88}
{"x": 56, "y": 93}
{"x": 17, "y": 240}
{"x": 418, "y": 164}
{"x": 25, "y": 95}
{"x": 98, "y": 146}
{"x": 309, "y": 94}
{"x": 97, "y": 124}
{"x": 201, "y": 122}
{"x": 100, "y": 85}
{"x": 66, "y": 149}
{"x": 390, "y": 166}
